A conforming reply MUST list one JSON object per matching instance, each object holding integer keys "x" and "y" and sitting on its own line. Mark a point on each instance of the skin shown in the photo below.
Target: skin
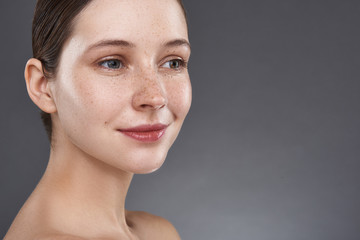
{"x": 82, "y": 193}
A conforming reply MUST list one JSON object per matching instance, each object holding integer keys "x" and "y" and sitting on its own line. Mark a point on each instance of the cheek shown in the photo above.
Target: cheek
{"x": 84, "y": 100}
{"x": 179, "y": 97}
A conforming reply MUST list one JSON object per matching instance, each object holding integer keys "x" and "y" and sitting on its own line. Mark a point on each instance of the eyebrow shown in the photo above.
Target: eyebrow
{"x": 178, "y": 43}
{"x": 116, "y": 43}
{"x": 123, "y": 43}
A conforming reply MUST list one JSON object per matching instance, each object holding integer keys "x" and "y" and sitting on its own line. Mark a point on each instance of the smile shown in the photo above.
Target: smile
{"x": 145, "y": 133}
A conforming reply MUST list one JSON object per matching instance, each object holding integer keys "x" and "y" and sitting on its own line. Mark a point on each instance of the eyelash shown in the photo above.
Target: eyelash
{"x": 102, "y": 63}
{"x": 181, "y": 64}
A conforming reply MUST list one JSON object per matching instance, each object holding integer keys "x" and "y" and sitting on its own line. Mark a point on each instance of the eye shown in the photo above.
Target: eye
{"x": 174, "y": 64}
{"x": 111, "y": 64}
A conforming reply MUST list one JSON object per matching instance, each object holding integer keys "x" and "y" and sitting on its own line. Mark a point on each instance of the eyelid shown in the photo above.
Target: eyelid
{"x": 99, "y": 62}
{"x": 183, "y": 62}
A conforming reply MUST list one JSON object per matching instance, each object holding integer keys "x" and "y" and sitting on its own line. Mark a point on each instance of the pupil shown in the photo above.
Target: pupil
{"x": 114, "y": 64}
{"x": 174, "y": 64}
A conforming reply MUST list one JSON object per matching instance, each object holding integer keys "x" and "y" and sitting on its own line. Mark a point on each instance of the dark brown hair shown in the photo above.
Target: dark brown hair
{"x": 52, "y": 26}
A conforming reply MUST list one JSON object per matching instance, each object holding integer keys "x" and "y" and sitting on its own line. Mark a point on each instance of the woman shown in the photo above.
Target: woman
{"x": 111, "y": 79}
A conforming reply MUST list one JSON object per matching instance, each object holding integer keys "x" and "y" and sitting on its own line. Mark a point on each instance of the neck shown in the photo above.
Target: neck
{"x": 84, "y": 192}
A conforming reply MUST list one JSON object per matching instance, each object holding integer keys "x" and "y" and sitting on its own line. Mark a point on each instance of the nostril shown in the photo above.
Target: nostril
{"x": 144, "y": 105}
{"x": 153, "y": 106}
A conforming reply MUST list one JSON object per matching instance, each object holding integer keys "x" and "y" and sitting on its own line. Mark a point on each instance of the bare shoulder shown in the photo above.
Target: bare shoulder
{"x": 58, "y": 237}
{"x": 67, "y": 237}
{"x": 151, "y": 226}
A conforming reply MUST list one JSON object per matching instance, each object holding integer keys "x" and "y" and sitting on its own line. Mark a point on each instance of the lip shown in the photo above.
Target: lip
{"x": 145, "y": 133}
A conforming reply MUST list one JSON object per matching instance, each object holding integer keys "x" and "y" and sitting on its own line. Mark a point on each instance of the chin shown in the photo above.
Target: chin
{"x": 140, "y": 158}
{"x": 137, "y": 161}
{"x": 146, "y": 165}
{"x": 145, "y": 170}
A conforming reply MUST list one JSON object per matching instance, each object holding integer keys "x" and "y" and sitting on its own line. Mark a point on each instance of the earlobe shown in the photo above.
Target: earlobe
{"x": 38, "y": 86}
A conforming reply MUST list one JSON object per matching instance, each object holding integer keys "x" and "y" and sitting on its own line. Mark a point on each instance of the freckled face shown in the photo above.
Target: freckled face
{"x": 124, "y": 66}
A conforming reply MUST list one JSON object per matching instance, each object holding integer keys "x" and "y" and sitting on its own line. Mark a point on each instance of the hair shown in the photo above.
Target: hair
{"x": 52, "y": 25}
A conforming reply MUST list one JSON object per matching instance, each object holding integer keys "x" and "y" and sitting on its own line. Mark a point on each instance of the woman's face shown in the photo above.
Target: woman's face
{"x": 122, "y": 89}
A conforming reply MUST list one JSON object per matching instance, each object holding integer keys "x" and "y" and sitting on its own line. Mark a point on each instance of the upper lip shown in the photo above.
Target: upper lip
{"x": 145, "y": 128}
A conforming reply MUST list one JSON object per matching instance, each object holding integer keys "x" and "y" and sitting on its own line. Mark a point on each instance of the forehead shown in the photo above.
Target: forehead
{"x": 133, "y": 20}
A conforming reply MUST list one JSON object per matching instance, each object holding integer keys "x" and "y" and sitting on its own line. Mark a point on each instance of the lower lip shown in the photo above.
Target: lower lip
{"x": 148, "y": 136}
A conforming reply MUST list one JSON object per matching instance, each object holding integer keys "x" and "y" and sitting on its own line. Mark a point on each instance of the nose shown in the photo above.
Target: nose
{"x": 150, "y": 94}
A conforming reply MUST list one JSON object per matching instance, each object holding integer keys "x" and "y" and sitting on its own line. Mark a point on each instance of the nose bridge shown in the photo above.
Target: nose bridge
{"x": 150, "y": 93}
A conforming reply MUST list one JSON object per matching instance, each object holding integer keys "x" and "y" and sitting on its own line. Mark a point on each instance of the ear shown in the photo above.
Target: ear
{"x": 38, "y": 86}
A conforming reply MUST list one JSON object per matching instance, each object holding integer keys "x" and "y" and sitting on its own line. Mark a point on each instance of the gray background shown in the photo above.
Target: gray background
{"x": 270, "y": 149}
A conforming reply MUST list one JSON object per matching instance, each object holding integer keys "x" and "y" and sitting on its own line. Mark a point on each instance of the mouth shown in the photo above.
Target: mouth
{"x": 145, "y": 133}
